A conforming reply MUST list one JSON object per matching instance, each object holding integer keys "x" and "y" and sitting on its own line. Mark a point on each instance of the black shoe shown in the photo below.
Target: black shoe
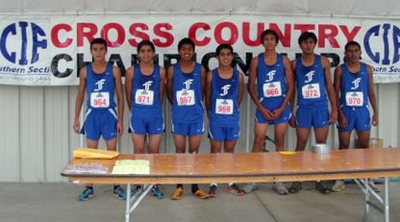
{"x": 322, "y": 189}
{"x": 295, "y": 188}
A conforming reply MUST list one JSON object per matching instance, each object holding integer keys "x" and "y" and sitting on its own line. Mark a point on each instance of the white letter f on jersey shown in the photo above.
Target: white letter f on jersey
{"x": 225, "y": 90}
{"x": 309, "y": 76}
{"x": 356, "y": 83}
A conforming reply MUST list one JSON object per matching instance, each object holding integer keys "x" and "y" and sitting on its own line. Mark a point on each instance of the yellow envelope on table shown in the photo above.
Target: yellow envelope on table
{"x": 89, "y": 153}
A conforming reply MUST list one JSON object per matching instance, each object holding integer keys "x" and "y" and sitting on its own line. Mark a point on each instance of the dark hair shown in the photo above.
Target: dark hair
{"x": 351, "y": 43}
{"x": 307, "y": 35}
{"x": 269, "y": 32}
{"x": 223, "y": 46}
{"x": 98, "y": 41}
{"x": 185, "y": 41}
{"x": 145, "y": 42}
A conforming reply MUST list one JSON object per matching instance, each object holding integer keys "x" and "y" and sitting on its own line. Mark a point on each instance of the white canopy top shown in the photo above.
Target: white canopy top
{"x": 334, "y": 8}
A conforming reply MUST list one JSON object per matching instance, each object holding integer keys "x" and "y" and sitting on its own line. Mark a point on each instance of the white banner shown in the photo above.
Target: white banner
{"x": 50, "y": 51}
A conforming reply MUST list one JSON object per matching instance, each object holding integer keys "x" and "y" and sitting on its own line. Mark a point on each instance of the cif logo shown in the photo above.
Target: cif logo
{"x": 20, "y": 42}
{"x": 378, "y": 42}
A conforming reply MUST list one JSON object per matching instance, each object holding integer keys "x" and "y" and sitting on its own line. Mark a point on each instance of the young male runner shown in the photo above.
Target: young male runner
{"x": 185, "y": 91}
{"x": 101, "y": 80}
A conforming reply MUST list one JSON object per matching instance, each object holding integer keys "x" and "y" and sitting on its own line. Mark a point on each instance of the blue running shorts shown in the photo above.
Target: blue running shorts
{"x": 307, "y": 117}
{"x": 188, "y": 129}
{"x": 220, "y": 133}
{"x": 357, "y": 118}
{"x": 100, "y": 122}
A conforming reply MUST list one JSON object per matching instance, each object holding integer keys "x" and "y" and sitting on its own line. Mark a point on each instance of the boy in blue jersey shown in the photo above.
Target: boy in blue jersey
{"x": 354, "y": 87}
{"x": 101, "y": 80}
{"x": 185, "y": 91}
{"x": 224, "y": 92}
{"x": 144, "y": 88}
{"x": 313, "y": 81}
{"x": 271, "y": 95}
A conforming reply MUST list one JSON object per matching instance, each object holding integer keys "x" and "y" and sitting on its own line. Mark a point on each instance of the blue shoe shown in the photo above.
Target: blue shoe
{"x": 86, "y": 194}
{"x": 157, "y": 193}
{"x": 119, "y": 193}
{"x": 135, "y": 189}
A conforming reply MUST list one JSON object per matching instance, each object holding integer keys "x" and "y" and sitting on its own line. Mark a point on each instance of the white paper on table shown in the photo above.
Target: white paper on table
{"x": 132, "y": 162}
{"x": 131, "y": 167}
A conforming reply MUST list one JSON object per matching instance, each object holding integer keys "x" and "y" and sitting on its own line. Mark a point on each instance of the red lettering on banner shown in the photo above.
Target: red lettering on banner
{"x": 328, "y": 32}
{"x": 202, "y": 33}
{"x": 160, "y": 30}
{"x": 233, "y": 33}
{"x": 136, "y": 30}
{"x": 304, "y": 27}
{"x": 85, "y": 30}
{"x": 193, "y": 33}
{"x": 283, "y": 38}
{"x": 246, "y": 34}
{"x": 55, "y": 38}
{"x": 120, "y": 34}
{"x": 349, "y": 35}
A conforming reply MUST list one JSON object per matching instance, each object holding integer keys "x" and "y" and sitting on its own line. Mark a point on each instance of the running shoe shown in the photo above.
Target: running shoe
{"x": 338, "y": 186}
{"x": 250, "y": 187}
{"x": 119, "y": 193}
{"x": 201, "y": 194}
{"x": 280, "y": 189}
{"x": 295, "y": 188}
{"x": 178, "y": 193}
{"x": 135, "y": 189}
{"x": 157, "y": 192}
{"x": 235, "y": 190}
{"x": 213, "y": 191}
{"x": 321, "y": 188}
{"x": 86, "y": 194}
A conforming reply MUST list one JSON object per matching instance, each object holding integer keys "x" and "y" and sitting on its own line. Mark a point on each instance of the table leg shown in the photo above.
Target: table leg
{"x": 367, "y": 195}
{"x": 386, "y": 201}
{"x": 128, "y": 201}
{"x": 368, "y": 191}
{"x": 134, "y": 201}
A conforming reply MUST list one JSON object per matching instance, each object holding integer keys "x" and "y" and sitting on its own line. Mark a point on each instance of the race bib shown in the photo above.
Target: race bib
{"x": 100, "y": 99}
{"x": 354, "y": 99}
{"x": 311, "y": 91}
{"x": 143, "y": 97}
{"x": 272, "y": 89}
{"x": 224, "y": 106}
{"x": 185, "y": 97}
